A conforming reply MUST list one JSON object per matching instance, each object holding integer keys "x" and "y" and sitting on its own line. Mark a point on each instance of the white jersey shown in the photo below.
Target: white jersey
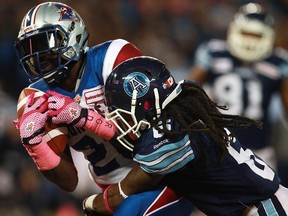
{"x": 106, "y": 164}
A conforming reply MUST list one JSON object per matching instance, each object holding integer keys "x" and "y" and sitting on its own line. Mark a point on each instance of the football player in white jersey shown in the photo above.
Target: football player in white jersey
{"x": 244, "y": 72}
{"x": 52, "y": 48}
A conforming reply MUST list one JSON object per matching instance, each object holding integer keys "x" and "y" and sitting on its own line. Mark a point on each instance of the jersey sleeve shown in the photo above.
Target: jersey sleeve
{"x": 205, "y": 53}
{"x": 118, "y": 51}
{"x": 202, "y": 56}
{"x": 163, "y": 156}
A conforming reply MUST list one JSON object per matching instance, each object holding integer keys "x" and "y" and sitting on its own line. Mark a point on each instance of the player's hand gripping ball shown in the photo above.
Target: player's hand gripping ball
{"x": 54, "y": 135}
{"x": 64, "y": 110}
{"x": 31, "y": 125}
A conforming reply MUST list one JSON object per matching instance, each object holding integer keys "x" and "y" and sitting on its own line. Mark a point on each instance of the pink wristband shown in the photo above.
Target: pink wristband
{"x": 105, "y": 197}
{"x": 99, "y": 125}
{"x": 44, "y": 157}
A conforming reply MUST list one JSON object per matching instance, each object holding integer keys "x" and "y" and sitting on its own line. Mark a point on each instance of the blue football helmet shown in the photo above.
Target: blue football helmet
{"x": 52, "y": 37}
{"x": 136, "y": 92}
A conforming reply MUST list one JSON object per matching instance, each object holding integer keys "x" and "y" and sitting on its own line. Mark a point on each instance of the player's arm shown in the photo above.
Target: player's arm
{"x": 64, "y": 175}
{"x": 128, "y": 50}
{"x": 198, "y": 71}
{"x": 57, "y": 168}
{"x": 135, "y": 182}
{"x": 64, "y": 110}
{"x": 146, "y": 175}
{"x": 119, "y": 51}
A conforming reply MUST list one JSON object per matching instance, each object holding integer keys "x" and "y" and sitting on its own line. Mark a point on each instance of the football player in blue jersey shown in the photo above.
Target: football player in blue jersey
{"x": 180, "y": 138}
{"x": 244, "y": 72}
{"x": 52, "y": 48}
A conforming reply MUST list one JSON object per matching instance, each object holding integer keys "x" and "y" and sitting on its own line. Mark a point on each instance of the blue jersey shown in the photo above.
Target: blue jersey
{"x": 107, "y": 166}
{"x": 245, "y": 88}
{"x": 241, "y": 179}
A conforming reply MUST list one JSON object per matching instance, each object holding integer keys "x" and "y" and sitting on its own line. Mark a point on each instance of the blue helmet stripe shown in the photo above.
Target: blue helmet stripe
{"x": 29, "y": 17}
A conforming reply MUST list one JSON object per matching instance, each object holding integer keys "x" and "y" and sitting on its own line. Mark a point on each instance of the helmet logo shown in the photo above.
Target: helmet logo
{"x": 66, "y": 13}
{"x": 136, "y": 81}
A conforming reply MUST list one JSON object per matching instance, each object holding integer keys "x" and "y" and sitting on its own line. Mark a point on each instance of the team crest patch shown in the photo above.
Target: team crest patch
{"x": 30, "y": 126}
{"x": 73, "y": 112}
{"x": 136, "y": 81}
{"x": 66, "y": 13}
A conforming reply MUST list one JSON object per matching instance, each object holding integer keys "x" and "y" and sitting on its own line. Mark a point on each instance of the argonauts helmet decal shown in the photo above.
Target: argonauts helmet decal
{"x": 136, "y": 81}
{"x": 136, "y": 92}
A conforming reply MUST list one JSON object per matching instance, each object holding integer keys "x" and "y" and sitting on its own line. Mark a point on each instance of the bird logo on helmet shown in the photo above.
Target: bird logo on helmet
{"x": 66, "y": 13}
{"x": 52, "y": 37}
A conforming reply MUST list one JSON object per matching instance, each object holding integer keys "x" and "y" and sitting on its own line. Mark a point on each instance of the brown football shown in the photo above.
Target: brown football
{"x": 54, "y": 135}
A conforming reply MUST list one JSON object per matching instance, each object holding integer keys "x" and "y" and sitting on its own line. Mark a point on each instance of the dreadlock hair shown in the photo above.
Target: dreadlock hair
{"x": 196, "y": 112}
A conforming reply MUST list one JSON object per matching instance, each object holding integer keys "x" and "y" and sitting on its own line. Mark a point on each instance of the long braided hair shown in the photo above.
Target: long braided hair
{"x": 195, "y": 112}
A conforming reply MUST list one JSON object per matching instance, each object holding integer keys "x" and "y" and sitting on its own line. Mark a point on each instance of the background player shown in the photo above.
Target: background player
{"x": 52, "y": 48}
{"x": 244, "y": 72}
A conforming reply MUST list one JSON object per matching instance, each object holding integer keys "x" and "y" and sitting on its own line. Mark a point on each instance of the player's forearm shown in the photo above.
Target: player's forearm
{"x": 104, "y": 203}
{"x": 138, "y": 181}
{"x": 135, "y": 182}
{"x": 59, "y": 169}
{"x": 64, "y": 175}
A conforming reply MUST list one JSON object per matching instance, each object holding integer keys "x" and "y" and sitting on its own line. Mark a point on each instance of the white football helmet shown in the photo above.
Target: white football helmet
{"x": 251, "y": 34}
{"x": 55, "y": 30}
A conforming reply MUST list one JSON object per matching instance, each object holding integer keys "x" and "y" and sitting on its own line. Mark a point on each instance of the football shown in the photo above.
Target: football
{"x": 54, "y": 135}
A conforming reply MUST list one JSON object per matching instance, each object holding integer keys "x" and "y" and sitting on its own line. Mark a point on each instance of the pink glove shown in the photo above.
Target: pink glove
{"x": 31, "y": 125}
{"x": 64, "y": 110}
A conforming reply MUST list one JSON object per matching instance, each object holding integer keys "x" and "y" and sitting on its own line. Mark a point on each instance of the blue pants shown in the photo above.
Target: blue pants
{"x": 159, "y": 202}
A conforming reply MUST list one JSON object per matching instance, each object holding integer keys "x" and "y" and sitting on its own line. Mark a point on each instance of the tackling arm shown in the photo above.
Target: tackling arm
{"x": 135, "y": 182}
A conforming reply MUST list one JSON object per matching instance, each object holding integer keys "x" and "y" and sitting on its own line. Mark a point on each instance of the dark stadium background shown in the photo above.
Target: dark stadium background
{"x": 167, "y": 29}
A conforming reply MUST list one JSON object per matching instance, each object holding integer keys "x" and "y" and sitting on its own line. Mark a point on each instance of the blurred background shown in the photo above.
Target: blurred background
{"x": 167, "y": 29}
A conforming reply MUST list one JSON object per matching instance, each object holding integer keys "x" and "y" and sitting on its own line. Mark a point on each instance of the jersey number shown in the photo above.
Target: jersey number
{"x": 255, "y": 164}
{"x": 229, "y": 90}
